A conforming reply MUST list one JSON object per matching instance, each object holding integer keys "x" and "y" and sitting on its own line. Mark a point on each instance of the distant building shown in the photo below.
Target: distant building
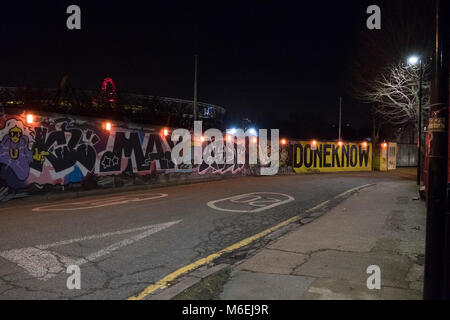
{"x": 109, "y": 103}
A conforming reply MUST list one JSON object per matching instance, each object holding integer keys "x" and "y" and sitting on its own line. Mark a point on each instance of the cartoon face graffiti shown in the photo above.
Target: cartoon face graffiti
{"x": 15, "y": 134}
{"x": 15, "y": 155}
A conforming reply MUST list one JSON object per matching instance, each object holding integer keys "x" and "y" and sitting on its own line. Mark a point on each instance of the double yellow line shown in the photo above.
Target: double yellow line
{"x": 164, "y": 282}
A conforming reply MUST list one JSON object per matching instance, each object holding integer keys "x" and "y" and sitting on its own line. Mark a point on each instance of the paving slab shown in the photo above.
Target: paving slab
{"x": 273, "y": 261}
{"x": 352, "y": 266}
{"x": 245, "y": 285}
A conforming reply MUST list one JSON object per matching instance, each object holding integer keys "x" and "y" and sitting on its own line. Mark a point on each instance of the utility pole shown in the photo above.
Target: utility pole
{"x": 340, "y": 118}
{"x": 437, "y": 266}
{"x": 419, "y": 151}
{"x": 195, "y": 90}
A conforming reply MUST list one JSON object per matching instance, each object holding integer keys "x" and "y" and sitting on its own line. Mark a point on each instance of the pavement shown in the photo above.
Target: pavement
{"x": 142, "y": 243}
{"x": 327, "y": 258}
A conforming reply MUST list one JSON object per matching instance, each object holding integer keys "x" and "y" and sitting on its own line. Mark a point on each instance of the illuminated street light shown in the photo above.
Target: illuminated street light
{"x": 413, "y": 60}
{"x": 252, "y": 131}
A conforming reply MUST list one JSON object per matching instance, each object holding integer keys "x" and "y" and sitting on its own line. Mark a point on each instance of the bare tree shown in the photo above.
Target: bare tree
{"x": 378, "y": 75}
{"x": 394, "y": 95}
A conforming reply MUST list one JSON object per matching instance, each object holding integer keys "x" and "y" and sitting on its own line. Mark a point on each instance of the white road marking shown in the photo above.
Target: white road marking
{"x": 261, "y": 200}
{"x": 42, "y": 263}
{"x": 97, "y": 203}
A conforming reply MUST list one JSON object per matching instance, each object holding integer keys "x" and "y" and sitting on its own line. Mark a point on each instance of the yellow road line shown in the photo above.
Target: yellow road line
{"x": 164, "y": 282}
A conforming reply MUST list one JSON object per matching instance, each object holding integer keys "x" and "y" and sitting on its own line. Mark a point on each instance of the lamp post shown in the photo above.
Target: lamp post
{"x": 195, "y": 90}
{"x": 413, "y": 60}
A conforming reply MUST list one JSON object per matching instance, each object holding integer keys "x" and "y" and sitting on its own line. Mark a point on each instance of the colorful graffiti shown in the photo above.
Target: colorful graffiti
{"x": 59, "y": 151}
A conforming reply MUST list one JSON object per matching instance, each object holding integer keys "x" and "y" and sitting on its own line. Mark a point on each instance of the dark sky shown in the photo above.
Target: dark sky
{"x": 280, "y": 63}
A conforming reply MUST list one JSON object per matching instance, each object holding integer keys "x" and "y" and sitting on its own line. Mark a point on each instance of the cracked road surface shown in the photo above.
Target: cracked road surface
{"x": 138, "y": 238}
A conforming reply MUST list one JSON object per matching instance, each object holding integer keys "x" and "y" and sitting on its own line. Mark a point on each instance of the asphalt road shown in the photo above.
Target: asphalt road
{"x": 127, "y": 241}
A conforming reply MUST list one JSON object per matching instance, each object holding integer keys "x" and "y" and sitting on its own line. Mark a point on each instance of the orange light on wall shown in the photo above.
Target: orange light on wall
{"x": 254, "y": 140}
{"x": 165, "y": 132}
{"x": 385, "y": 145}
{"x": 30, "y": 118}
{"x": 202, "y": 139}
{"x": 229, "y": 138}
{"x": 340, "y": 143}
{"x": 314, "y": 145}
{"x": 108, "y": 126}
{"x": 364, "y": 144}
{"x": 283, "y": 142}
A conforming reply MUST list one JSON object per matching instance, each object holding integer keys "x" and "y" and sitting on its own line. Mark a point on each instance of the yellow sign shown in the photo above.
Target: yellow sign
{"x": 332, "y": 157}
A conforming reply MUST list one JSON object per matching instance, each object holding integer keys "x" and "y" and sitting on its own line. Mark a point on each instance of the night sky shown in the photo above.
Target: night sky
{"x": 283, "y": 64}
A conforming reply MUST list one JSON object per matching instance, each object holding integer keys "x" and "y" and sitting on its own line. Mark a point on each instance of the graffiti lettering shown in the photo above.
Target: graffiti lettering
{"x": 331, "y": 157}
{"x": 58, "y": 151}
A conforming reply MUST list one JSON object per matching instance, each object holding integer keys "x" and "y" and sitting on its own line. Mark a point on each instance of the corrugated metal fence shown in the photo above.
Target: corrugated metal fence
{"x": 406, "y": 155}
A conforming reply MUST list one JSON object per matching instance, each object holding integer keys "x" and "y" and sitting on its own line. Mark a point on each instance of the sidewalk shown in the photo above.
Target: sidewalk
{"x": 328, "y": 257}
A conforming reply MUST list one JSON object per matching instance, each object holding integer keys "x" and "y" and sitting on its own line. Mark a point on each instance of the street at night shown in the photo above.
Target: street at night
{"x": 237, "y": 159}
{"x": 164, "y": 229}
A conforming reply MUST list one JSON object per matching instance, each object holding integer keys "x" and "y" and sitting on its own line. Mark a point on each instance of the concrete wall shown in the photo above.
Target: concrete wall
{"x": 59, "y": 152}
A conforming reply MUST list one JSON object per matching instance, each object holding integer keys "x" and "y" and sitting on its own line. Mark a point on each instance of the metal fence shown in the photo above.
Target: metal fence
{"x": 406, "y": 155}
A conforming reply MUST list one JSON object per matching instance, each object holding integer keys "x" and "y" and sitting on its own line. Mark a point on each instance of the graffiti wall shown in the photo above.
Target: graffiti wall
{"x": 43, "y": 152}
{"x": 331, "y": 156}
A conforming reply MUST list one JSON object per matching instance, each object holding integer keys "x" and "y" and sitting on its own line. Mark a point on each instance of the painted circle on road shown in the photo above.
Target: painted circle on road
{"x": 250, "y": 202}
{"x": 103, "y": 202}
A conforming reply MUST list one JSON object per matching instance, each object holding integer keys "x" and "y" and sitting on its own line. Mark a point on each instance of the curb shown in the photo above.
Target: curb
{"x": 188, "y": 282}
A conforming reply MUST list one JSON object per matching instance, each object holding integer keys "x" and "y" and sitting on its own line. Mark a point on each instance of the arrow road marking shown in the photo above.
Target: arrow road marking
{"x": 44, "y": 264}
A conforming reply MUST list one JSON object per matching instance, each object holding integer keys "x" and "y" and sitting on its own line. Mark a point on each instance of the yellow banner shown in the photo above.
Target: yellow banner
{"x": 332, "y": 157}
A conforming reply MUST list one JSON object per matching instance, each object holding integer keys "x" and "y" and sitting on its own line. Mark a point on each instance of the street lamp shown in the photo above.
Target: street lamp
{"x": 414, "y": 60}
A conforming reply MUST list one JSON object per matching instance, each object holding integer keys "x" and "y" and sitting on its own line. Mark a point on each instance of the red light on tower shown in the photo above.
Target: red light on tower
{"x": 30, "y": 118}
